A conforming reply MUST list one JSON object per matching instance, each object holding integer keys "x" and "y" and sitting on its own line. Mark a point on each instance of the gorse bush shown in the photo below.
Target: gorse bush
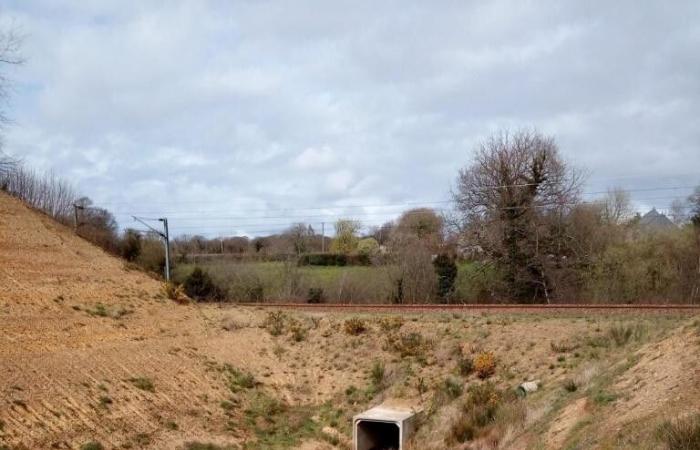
{"x": 485, "y": 364}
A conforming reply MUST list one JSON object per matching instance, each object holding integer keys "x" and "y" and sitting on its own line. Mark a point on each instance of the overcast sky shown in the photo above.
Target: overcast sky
{"x": 243, "y": 112}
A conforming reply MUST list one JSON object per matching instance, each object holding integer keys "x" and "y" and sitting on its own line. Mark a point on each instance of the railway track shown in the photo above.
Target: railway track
{"x": 511, "y": 308}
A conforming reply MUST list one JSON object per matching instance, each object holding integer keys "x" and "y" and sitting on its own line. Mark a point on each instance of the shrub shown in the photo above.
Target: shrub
{"x": 368, "y": 246}
{"x": 315, "y": 295}
{"x": 274, "y": 322}
{"x": 485, "y": 364}
{"x": 199, "y": 285}
{"x": 682, "y": 434}
{"x": 446, "y": 271}
{"x": 355, "y": 326}
{"x": 131, "y": 245}
{"x": 408, "y": 344}
{"x": 465, "y": 366}
{"x": 478, "y": 411}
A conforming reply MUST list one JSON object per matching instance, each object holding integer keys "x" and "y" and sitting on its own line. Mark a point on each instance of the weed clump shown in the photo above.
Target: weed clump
{"x": 145, "y": 384}
{"x": 206, "y": 446}
{"x": 274, "y": 322}
{"x": 478, "y": 411}
{"x": 298, "y": 331}
{"x": 238, "y": 380}
{"x": 465, "y": 366}
{"x": 92, "y": 445}
{"x": 174, "y": 291}
{"x": 377, "y": 374}
{"x": 355, "y": 326}
{"x": 621, "y": 334}
{"x": 570, "y": 385}
{"x": 682, "y": 434}
{"x": 390, "y": 323}
{"x": 408, "y": 344}
{"x": 452, "y": 387}
{"x": 485, "y": 365}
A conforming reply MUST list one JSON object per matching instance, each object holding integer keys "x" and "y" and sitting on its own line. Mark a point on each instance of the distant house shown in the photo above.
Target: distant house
{"x": 655, "y": 221}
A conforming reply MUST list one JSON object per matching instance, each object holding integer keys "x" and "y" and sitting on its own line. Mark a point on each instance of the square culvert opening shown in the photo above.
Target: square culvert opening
{"x": 373, "y": 435}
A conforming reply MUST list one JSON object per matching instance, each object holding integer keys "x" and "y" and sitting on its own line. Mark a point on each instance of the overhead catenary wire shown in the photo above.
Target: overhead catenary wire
{"x": 403, "y": 203}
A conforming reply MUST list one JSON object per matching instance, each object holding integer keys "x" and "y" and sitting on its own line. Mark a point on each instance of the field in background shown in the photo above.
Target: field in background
{"x": 285, "y": 281}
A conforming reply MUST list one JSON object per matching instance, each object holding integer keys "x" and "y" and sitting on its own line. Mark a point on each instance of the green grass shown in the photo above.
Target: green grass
{"x": 282, "y": 281}
{"x": 93, "y": 445}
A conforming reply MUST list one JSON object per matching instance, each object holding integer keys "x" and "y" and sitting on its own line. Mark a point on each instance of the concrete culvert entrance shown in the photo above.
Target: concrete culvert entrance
{"x": 377, "y": 435}
{"x": 383, "y": 428}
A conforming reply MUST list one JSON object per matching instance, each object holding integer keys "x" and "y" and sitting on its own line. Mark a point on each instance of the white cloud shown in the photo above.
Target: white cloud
{"x": 314, "y": 158}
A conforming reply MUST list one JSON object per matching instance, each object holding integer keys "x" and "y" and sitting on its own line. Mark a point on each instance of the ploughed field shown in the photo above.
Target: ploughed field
{"x": 93, "y": 354}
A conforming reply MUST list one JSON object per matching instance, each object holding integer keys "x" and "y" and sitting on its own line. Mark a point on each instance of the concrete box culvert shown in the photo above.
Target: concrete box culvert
{"x": 383, "y": 428}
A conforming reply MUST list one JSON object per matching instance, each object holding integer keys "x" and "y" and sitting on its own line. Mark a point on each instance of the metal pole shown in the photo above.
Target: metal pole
{"x": 167, "y": 249}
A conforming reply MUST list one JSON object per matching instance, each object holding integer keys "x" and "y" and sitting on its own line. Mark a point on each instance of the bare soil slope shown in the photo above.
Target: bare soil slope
{"x": 91, "y": 351}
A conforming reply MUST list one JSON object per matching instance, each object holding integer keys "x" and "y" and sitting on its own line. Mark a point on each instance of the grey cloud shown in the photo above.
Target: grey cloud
{"x": 255, "y": 105}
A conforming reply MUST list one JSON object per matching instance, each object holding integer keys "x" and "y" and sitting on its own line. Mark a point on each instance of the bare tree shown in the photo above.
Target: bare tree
{"x": 346, "y": 240}
{"x": 46, "y": 192}
{"x": 511, "y": 200}
{"x": 617, "y": 206}
{"x": 694, "y": 201}
{"x": 425, "y": 223}
{"x": 677, "y": 212}
{"x": 9, "y": 56}
{"x": 299, "y": 235}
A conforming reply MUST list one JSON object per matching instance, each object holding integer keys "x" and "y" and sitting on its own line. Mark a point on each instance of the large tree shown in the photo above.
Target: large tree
{"x": 511, "y": 200}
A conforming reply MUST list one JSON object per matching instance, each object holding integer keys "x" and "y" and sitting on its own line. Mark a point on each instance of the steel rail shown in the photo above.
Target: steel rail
{"x": 693, "y": 308}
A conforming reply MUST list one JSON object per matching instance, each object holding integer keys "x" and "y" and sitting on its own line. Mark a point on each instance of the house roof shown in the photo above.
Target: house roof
{"x": 656, "y": 221}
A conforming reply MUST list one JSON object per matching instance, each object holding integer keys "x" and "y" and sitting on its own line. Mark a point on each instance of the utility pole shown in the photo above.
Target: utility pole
{"x": 167, "y": 248}
{"x": 166, "y": 238}
{"x": 323, "y": 237}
